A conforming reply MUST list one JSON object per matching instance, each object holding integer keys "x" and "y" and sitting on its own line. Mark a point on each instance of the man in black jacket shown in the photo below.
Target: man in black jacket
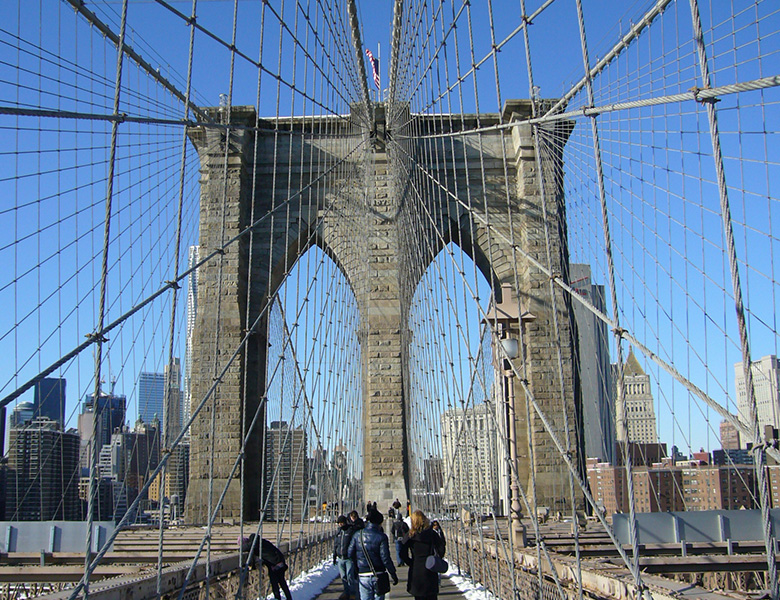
{"x": 371, "y": 553}
{"x": 347, "y": 568}
{"x": 273, "y": 559}
{"x": 399, "y": 530}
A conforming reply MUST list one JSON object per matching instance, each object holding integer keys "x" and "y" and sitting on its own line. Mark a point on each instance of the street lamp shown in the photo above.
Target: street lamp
{"x": 507, "y": 321}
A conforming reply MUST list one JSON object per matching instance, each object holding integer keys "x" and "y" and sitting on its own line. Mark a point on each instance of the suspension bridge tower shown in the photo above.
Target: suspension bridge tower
{"x": 317, "y": 189}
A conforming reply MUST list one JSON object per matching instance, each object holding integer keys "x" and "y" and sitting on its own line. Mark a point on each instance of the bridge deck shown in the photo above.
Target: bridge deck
{"x": 448, "y": 590}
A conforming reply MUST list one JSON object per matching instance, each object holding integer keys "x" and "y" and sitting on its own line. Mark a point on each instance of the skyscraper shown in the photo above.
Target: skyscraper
{"x": 110, "y": 415}
{"x": 49, "y": 399}
{"x": 151, "y": 396}
{"x": 729, "y": 436}
{"x": 639, "y": 403}
{"x": 172, "y": 406}
{"x": 469, "y": 449}
{"x": 766, "y": 385}
{"x": 285, "y": 455}
{"x": 42, "y": 480}
{"x": 598, "y": 403}
{"x": 192, "y": 311}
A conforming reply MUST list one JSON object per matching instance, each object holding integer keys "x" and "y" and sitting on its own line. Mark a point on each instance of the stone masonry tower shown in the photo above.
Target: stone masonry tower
{"x": 357, "y": 173}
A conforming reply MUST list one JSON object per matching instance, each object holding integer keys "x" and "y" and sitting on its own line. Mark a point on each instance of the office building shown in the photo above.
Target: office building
{"x": 49, "y": 399}
{"x": 593, "y": 365}
{"x": 23, "y": 413}
{"x": 42, "y": 476}
{"x": 172, "y": 405}
{"x": 470, "y": 456}
{"x": 285, "y": 455}
{"x": 192, "y": 310}
{"x": 640, "y": 412}
{"x": 766, "y": 385}
{"x": 151, "y": 396}
{"x": 729, "y": 436}
{"x": 109, "y": 412}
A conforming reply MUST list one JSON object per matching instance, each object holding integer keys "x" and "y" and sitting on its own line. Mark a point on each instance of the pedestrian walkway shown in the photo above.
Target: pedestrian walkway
{"x": 448, "y": 590}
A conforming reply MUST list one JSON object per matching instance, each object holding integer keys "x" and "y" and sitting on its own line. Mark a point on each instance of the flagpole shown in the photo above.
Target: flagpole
{"x": 379, "y": 64}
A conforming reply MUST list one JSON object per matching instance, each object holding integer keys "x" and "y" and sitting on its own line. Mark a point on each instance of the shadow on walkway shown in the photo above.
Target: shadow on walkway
{"x": 447, "y": 591}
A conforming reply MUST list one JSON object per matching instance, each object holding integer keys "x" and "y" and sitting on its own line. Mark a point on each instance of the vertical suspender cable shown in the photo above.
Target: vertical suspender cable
{"x": 728, "y": 231}
{"x": 621, "y": 416}
{"x": 166, "y": 433}
{"x": 102, "y": 300}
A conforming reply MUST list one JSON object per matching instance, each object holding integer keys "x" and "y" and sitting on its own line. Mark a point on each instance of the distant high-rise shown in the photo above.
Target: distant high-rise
{"x": 151, "y": 396}
{"x": 110, "y": 414}
{"x": 285, "y": 455}
{"x": 766, "y": 384}
{"x": 172, "y": 407}
{"x": 469, "y": 451}
{"x": 729, "y": 436}
{"x": 50, "y": 399}
{"x": 598, "y": 404}
{"x": 192, "y": 311}
{"x": 23, "y": 413}
{"x": 42, "y": 479}
{"x": 639, "y": 403}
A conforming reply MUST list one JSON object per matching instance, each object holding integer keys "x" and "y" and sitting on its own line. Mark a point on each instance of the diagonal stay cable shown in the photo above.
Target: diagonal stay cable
{"x": 92, "y": 338}
{"x": 624, "y": 333}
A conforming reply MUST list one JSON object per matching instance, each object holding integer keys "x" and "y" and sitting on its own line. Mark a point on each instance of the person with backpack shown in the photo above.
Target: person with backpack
{"x": 399, "y": 531}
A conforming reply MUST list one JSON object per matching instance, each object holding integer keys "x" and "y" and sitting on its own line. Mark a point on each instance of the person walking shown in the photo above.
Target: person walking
{"x": 423, "y": 541}
{"x": 370, "y": 551}
{"x": 273, "y": 559}
{"x": 347, "y": 569}
{"x": 399, "y": 531}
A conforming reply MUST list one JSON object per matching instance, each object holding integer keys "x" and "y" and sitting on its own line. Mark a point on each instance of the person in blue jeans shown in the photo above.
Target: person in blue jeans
{"x": 399, "y": 530}
{"x": 370, "y": 551}
{"x": 347, "y": 569}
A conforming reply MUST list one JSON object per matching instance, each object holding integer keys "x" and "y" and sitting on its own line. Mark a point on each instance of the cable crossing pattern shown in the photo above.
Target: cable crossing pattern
{"x": 529, "y": 286}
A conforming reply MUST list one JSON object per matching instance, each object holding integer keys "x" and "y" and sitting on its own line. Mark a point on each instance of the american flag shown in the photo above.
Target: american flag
{"x": 374, "y": 67}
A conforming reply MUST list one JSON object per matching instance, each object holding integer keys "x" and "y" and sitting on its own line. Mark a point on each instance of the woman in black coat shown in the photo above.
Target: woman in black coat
{"x": 423, "y": 584}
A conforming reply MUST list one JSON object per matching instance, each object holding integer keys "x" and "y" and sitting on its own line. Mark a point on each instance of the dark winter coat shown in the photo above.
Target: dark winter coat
{"x": 415, "y": 550}
{"x": 342, "y": 540}
{"x": 377, "y": 548}
{"x": 400, "y": 529}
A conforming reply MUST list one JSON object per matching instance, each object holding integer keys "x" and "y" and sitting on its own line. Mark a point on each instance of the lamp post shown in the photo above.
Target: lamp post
{"x": 508, "y": 324}
{"x": 511, "y": 349}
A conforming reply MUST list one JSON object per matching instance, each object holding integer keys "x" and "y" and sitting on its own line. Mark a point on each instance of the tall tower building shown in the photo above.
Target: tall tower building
{"x": 598, "y": 403}
{"x": 49, "y": 399}
{"x": 766, "y": 384}
{"x": 729, "y": 436}
{"x": 151, "y": 396}
{"x": 42, "y": 480}
{"x": 192, "y": 311}
{"x": 172, "y": 409}
{"x": 109, "y": 412}
{"x": 285, "y": 455}
{"x": 470, "y": 454}
{"x": 639, "y": 403}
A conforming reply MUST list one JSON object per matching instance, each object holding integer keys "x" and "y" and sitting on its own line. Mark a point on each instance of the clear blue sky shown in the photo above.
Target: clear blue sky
{"x": 674, "y": 285}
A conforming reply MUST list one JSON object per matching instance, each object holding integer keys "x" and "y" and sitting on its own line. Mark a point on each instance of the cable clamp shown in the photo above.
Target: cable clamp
{"x": 554, "y": 275}
{"x": 96, "y": 337}
{"x": 619, "y": 331}
{"x": 173, "y": 284}
{"x": 193, "y": 20}
{"x": 220, "y": 251}
{"x": 765, "y": 445}
{"x": 526, "y": 20}
{"x": 696, "y": 91}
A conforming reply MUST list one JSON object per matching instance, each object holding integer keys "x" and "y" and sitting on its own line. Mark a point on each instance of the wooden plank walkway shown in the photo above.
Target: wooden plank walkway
{"x": 447, "y": 591}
